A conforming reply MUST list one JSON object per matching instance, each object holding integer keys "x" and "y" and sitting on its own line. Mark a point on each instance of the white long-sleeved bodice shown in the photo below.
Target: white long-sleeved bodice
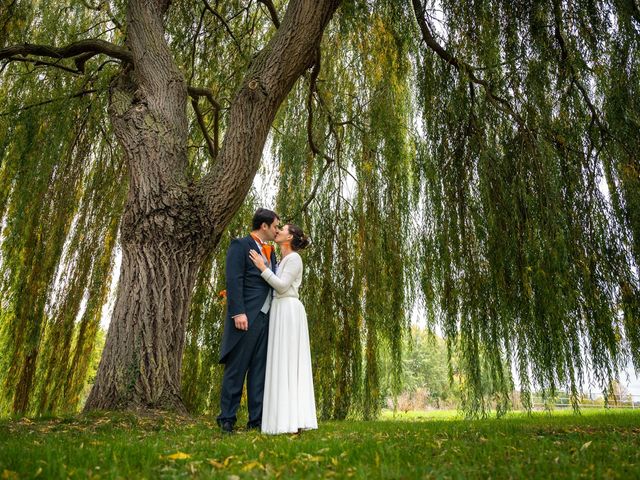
{"x": 289, "y": 277}
{"x": 289, "y": 398}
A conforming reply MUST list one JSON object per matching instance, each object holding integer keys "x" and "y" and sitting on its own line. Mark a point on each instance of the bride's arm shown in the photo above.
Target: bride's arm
{"x": 283, "y": 281}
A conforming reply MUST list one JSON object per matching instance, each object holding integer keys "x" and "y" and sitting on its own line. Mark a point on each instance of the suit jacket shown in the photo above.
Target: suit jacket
{"x": 246, "y": 290}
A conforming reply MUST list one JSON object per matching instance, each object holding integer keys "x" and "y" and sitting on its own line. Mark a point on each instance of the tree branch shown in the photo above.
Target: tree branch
{"x": 460, "y": 65}
{"x": 312, "y": 88}
{"x": 37, "y": 63}
{"x": 329, "y": 161}
{"x": 45, "y": 102}
{"x": 315, "y": 151}
{"x": 83, "y": 50}
{"x": 271, "y": 75}
{"x": 196, "y": 93}
{"x": 213, "y": 151}
{"x": 272, "y": 11}
{"x": 226, "y": 25}
{"x": 107, "y": 8}
{"x": 565, "y": 59}
{"x": 194, "y": 45}
{"x": 635, "y": 10}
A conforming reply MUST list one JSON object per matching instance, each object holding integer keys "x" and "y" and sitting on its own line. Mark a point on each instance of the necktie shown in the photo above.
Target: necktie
{"x": 266, "y": 248}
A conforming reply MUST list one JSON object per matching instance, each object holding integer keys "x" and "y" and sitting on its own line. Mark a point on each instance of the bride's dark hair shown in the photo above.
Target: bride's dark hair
{"x": 299, "y": 240}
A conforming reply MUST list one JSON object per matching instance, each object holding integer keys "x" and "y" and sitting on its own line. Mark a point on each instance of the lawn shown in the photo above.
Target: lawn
{"x": 596, "y": 444}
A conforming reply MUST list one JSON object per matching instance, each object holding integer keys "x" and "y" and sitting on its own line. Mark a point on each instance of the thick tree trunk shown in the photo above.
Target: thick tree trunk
{"x": 163, "y": 234}
{"x": 163, "y": 230}
{"x": 168, "y": 224}
{"x": 141, "y": 362}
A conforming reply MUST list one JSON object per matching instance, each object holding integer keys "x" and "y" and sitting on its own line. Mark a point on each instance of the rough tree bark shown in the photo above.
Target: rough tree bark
{"x": 170, "y": 224}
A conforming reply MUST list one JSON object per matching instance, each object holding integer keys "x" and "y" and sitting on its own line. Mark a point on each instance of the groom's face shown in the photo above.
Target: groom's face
{"x": 271, "y": 230}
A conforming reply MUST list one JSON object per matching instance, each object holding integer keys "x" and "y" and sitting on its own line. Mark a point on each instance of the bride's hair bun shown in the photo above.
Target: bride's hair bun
{"x": 299, "y": 240}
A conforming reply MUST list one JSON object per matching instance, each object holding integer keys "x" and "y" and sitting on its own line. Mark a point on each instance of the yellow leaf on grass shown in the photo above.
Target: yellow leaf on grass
{"x": 215, "y": 463}
{"x": 178, "y": 456}
{"x": 586, "y": 445}
{"x": 251, "y": 466}
{"x": 311, "y": 458}
{"x": 9, "y": 474}
{"x": 227, "y": 460}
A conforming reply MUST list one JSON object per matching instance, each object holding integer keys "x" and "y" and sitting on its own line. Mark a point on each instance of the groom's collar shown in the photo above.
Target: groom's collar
{"x": 256, "y": 238}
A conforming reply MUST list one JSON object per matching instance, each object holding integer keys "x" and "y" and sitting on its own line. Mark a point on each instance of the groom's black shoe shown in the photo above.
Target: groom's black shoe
{"x": 227, "y": 427}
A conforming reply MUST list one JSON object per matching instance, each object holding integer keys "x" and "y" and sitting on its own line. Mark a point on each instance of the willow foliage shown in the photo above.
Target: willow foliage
{"x": 492, "y": 182}
{"x": 531, "y": 191}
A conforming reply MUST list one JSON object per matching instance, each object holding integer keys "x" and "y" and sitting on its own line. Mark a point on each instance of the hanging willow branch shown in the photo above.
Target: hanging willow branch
{"x": 52, "y": 100}
{"x": 315, "y": 151}
{"x": 221, "y": 19}
{"x": 460, "y": 65}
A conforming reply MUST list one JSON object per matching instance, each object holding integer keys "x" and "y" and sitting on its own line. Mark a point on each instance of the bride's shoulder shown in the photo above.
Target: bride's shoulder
{"x": 294, "y": 257}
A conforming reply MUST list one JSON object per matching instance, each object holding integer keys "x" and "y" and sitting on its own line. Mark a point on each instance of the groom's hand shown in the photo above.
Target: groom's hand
{"x": 241, "y": 321}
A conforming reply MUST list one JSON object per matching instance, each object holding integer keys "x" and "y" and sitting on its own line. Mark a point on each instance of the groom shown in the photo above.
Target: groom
{"x": 244, "y": 341}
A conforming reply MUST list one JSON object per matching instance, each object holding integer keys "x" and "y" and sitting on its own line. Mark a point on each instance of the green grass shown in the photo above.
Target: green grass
{"x": 602, "y": 444}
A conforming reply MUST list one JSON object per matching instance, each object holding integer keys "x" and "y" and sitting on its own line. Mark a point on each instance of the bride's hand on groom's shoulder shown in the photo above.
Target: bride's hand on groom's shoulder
{"x": 257, "y": 260}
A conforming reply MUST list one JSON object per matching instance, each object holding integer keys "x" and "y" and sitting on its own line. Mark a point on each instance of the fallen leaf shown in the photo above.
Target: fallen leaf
{"x": 311, "y": 458}
{"x": 215, "y": 463}
{"x": 178, "y": 456}
{"x": 251, "y": 466}
{"x": 586, "y": 445}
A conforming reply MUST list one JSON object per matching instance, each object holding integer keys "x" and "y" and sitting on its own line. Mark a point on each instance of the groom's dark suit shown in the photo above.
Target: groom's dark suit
{"x": 244, "y": 353}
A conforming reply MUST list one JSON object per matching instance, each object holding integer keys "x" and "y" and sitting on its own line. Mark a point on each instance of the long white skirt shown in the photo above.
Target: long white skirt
{"x": 289, "y": 403}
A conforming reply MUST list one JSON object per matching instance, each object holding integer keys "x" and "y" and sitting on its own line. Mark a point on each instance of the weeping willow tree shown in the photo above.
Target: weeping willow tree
{"x": 475, "y": 162}
{"x": 531, "y": 188}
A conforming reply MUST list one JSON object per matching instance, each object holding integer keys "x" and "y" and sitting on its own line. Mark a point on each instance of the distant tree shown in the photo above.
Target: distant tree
{"x": 425, "y": 366}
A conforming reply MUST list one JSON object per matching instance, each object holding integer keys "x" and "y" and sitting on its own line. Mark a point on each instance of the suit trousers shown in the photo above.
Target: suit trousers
{"x": 247, "y": 359}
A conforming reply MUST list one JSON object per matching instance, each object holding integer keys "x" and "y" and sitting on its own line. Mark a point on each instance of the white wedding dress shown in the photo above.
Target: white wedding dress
{"x": 289, "y": 403}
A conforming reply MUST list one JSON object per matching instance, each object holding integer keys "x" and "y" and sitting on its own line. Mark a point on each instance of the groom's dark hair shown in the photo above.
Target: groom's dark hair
{"x": 263, "y": 215}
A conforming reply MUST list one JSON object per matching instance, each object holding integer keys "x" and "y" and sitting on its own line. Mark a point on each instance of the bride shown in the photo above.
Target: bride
{"x": 289, "y": 403}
